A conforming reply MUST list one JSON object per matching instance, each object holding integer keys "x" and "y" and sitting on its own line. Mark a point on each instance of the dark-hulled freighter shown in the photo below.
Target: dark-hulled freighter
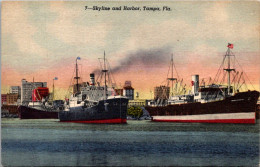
{"x": 40, "y": 107}
{"x": 94, "y": 103}
{"x": 214, "y": 103}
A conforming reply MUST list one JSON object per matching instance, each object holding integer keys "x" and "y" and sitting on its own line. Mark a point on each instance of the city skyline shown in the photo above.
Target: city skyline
{"x": 42, "y": 40}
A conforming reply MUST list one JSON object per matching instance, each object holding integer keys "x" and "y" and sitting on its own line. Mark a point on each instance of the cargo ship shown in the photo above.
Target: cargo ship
{"x": 39, "y": 107}
{"x": 93, "y": 103}
{"x": 214, "y": 103}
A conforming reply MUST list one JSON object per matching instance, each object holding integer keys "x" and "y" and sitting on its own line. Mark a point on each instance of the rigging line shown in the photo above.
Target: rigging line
{"x": 99, "y": 60}
{"x": 223, "y": 79}
{"x": 234, "y": 77}
{"x": 241, "y": 74}
{"x": 164, "y": 81}
{"x": 218, "y": 73}
{"x": 111, "y": 72}
{"x": 243, "y": 79}
{"x": 175, "y": 87}
{"x": 219, "y": 70}
{"x": 182, "y": 89}
{"x": 178, "y": 87}
{"x": 181, "y": 86}
{"x": 100, "y": 79}
{"x": 68, "y": 92}
{"x": 80, "y": 73}
{"x": 234, "y": 63}
{"x": 241, "y": 85}
{"x": 225, "y": 74}
{"x": 168, "y": 74}
{"x": 113, "y": 79}
{"x": 109, "y": 79}
{"x": 235, "y": 80}
{"x": 231, "y": 75}
{"x": 209, "y": 81}
{"x": 99, "y": 74}
{"x": 244, "y": 72}
{"x": 245, "y": 83}
{"x": 222, "y": 72}
{"x": 176, "y": 71}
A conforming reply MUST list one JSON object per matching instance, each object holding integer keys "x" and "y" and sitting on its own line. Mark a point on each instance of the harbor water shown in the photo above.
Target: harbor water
{"x": 137, "y": 143}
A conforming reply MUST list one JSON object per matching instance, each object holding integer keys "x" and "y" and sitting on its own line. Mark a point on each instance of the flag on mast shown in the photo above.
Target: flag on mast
{"x": 78, "y": 58}
{"x": 56, "y": 78}
{"x": 230, "y": 46}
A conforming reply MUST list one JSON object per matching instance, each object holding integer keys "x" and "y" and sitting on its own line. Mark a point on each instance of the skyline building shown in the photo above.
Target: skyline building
{"x": 27, "y": 88}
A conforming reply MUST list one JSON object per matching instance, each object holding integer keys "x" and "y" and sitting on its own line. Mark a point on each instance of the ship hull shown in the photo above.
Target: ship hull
{"x": 108, "y": 111}
{"x": 102, "y": 121}
{"x": 247, "y": 118}
{"x": 25, "y": 112}
{"x": 239, "y": 108}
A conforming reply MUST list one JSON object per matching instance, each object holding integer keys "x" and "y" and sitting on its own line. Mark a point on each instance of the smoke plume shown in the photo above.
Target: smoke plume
{"x": 145, "y": 58}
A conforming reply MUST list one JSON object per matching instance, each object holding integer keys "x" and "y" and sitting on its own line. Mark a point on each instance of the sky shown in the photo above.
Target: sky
{"x": 41, "y": 40}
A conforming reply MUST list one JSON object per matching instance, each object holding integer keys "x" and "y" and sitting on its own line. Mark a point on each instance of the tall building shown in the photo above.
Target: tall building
{"x": 11, "y": 98}
{"x": 27, "y": 88}
{"x": 16, "y": 89}
{"x": 128, "y": 90}
{"x": 161, "y": 92}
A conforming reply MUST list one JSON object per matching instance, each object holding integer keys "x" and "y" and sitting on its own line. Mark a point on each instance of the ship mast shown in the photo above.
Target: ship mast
{"x": 77, "y": 76}
{"x": 228, "y": 69}
{"x": 55, "y": 78}
{"x": 33, "y": 91}
{"x": 53, "y": 90}
{"x": 172, "y": 79}
{"x": 105, "y": 71}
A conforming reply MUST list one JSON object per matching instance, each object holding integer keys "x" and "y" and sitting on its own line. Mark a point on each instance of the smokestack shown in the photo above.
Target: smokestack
{"x": 92, "y": 79}
{"x": 195, "y": 83}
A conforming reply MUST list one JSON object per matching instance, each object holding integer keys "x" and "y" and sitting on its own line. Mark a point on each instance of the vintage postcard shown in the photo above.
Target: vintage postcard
{"x": 130, "y": 83}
